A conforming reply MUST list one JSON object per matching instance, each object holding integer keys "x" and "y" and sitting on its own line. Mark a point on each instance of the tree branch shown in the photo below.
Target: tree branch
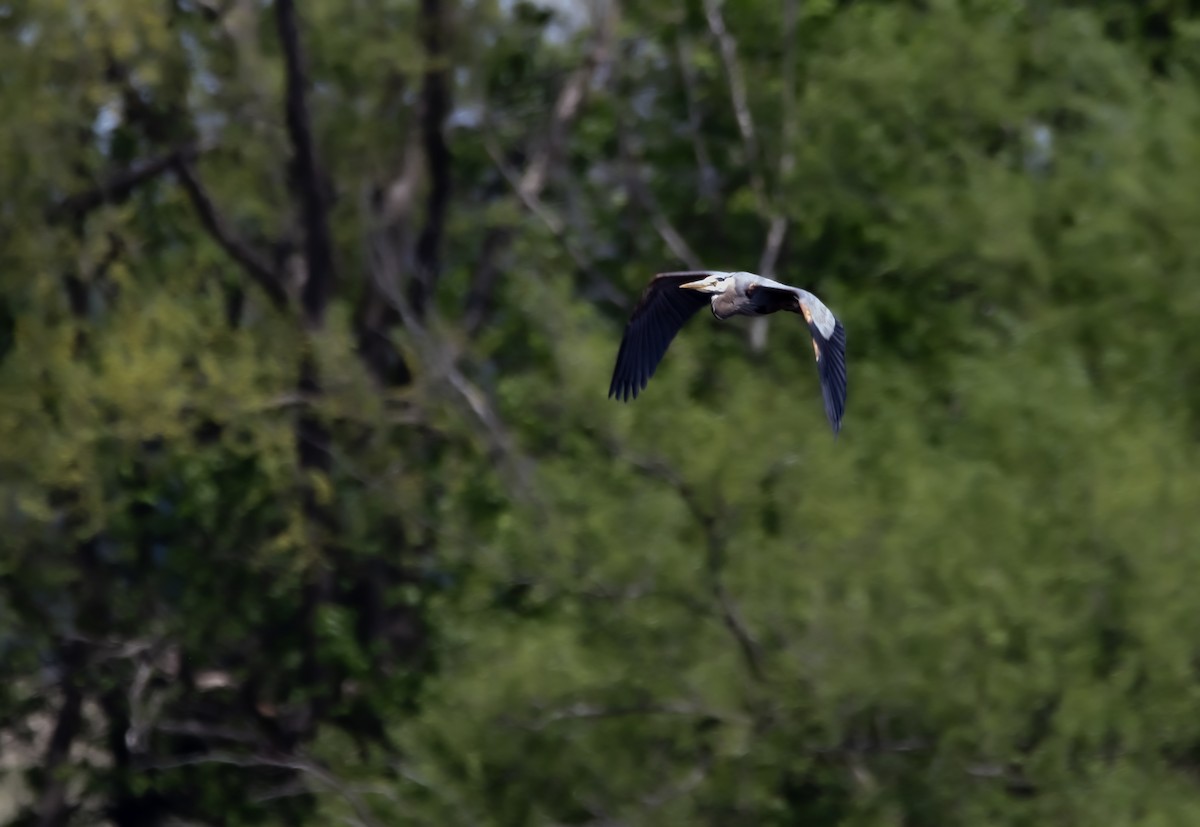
{"x": 566, "y": 107}
{"x": 255, "y": 266}
{"x": 440, "y": 358}
{"x": 737, "y": 93}
{"x": 530, "y": 183}
{"x": 778, "y": 227}
{"x": 313, "y": 437}
{"x": 787, "y": 157}
{"x": 54, "y": 807}
{"x": 118, "y": 186}
{"x": 307, "y": 767}
{"x": 497, "y": 239}
{"x": 389, "y": 253}
{"x": 435, "y": 107}
{"x": 731, "y": 616}
{"x": 644, "y": 196}
{"x": 306, "y": 171}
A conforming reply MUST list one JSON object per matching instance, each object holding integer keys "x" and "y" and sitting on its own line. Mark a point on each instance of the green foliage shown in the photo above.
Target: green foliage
{"x": 475, "y": 592}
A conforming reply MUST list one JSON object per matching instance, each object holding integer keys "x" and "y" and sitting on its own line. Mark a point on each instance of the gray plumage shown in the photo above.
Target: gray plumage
{"x": 672, "y": 298}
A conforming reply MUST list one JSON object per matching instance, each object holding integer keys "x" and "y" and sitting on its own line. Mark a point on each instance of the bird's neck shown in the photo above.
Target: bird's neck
{"x": 722, "y": 309}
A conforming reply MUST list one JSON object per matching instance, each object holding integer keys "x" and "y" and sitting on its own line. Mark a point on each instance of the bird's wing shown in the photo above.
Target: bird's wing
{"x": 660, "y": 313}
{"x": 831, "y": 367}
{"x": 829, "y": 345}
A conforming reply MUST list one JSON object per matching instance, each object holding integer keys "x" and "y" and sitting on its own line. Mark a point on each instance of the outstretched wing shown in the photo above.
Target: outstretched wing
{"x": 660, "y": 313}
{"x": 829, "y": 345}
{"x": 831, "y": 367}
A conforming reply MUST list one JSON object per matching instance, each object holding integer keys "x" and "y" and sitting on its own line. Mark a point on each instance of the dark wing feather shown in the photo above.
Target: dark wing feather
{"x": 662, "y": 310}
{"x": 831, "y": 352}
{"x": 831, "y": 367}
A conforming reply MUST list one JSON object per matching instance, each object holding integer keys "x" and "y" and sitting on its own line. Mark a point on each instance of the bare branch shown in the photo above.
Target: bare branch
{"x": 520, "y": 185}
{"x": 757, "y": 332}
{"x": 440, "y": 357}
{"x": 496, "y": 242}
{"x": 530, "y": 183}
{"x": 389, "y": 209}
{"x": 255, "y": 265}
{"x": 642, "y": 194}
{"x": 787, "y": 156}
{"x": 118, "y": 186}
{"x": 671, "y": 236}
{"x": 737, "y": 92}
{"x": 770, "y": 253}
{"x": 498, "y": 238}
{"x": 309, "y": 768}
{"x": 399, "y": 197}
{"x": 570, "y": 98}
{"x": 645, "y": 198}
{"x": 306, "y": 170}
{"x": 787, "y": 161}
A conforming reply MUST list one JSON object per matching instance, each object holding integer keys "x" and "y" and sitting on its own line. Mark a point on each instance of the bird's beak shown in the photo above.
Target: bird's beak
{"x": 703, "y": 285}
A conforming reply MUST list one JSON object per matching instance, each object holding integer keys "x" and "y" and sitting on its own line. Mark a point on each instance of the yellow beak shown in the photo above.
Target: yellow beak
{"x": 703, "y": 284}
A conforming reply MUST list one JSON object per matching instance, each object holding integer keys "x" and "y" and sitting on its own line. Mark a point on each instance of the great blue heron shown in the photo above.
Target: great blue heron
{"x": 672, "y": 298}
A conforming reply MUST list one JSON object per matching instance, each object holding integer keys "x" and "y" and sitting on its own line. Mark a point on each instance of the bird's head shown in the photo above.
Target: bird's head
{"x": 712, "y": 283}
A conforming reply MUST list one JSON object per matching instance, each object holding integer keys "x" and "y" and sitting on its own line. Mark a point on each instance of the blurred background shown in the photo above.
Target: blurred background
{"x": 315, "y": 511}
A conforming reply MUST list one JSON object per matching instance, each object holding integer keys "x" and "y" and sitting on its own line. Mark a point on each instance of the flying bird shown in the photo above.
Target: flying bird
{"x": 672, "y": 298}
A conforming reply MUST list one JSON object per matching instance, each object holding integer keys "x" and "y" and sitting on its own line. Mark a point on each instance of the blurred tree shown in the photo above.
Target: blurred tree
{"x": 313, "y": 511}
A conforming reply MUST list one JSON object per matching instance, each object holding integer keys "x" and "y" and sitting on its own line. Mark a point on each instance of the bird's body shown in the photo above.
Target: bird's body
{"x": 672, "y": 298}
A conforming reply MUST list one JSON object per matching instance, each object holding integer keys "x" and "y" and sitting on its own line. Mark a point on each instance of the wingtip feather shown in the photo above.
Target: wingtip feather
{"x": 832, "y": 372}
